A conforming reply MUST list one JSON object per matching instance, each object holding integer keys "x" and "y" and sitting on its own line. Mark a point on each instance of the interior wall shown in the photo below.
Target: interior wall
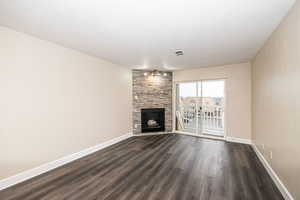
{"x": 56, "y": 101}
{"x": 276, "y": 105}
{"x": 237, "y": 94}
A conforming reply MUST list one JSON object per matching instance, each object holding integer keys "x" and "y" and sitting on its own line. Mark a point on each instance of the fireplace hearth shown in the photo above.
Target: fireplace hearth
{"x": 153, "y": 120}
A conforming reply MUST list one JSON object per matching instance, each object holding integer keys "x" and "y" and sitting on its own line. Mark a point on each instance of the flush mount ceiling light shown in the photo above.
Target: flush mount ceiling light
{"x": 179, "y": 53}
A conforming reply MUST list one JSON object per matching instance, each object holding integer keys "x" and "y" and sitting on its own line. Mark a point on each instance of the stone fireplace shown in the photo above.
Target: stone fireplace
{"x": 152, "y": 93}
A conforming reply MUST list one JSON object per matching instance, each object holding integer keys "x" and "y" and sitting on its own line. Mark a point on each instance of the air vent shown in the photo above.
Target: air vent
{"x": 179, "y": 52}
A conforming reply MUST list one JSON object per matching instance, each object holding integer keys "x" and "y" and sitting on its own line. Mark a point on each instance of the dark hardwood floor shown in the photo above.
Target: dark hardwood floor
{"x": 161, "y": 167}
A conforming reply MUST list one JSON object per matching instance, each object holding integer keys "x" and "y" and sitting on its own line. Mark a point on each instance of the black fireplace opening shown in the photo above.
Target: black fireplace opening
{"x": 153, "y": 120}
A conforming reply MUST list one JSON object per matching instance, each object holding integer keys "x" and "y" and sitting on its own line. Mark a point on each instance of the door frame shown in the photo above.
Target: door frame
{"x": 174, "y": 104}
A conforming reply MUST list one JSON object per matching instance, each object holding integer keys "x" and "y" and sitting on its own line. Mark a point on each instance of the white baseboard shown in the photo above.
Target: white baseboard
{"x": 284, "y": 191}
{"x": 238, "y": 140}
{"x": 23, "y": 176}
{"x": 228, "y": 139}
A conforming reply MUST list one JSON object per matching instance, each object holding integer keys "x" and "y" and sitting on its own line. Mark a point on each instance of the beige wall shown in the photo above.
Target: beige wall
{"x": 276, "y": 101}
{"x": 56, "y": 101}
{"x": 238, "y": 94}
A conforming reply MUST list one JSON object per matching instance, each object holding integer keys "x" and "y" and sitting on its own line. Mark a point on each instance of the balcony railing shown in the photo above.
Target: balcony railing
{"x": 207, "y": 120}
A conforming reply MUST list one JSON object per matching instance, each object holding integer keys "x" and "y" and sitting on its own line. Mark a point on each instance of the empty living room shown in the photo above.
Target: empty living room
{"x": 150, "y": 100}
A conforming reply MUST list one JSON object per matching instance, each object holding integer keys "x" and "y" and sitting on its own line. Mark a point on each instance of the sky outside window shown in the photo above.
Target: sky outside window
{"x": 214, "y": 88}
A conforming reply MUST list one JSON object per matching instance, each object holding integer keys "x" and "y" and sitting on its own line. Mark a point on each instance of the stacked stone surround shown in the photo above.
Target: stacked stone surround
{"x": 149, "y": 93}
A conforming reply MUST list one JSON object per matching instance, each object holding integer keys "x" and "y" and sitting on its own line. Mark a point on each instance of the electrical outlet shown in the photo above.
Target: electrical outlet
{"x": 263, "y": 146}
{"x": 271, "y": 155}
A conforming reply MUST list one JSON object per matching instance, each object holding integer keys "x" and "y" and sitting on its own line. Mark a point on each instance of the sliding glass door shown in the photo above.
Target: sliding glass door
{"x": 200, "y": 107}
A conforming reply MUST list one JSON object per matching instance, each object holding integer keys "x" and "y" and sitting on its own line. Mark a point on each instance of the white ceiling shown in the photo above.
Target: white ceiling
{"x": 145, "y": 33}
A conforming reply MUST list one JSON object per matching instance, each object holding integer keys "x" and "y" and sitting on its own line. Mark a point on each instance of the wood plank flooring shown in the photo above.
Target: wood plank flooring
{"x": 161, "y": 167}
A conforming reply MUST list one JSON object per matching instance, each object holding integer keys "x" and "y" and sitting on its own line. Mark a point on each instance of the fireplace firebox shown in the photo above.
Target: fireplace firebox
{"x": 153, "y": 120}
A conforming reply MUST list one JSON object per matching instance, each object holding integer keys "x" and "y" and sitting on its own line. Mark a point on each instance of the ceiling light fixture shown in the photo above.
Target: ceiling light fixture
{"x": 155, "y": 73}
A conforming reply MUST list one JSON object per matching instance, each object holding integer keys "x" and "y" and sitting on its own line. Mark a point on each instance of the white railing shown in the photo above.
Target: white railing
{"x": 209, "y": 118}
{"x": 211, "y": 112}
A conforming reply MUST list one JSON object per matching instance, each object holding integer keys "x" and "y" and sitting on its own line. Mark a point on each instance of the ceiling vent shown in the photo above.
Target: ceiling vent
{"x": 179, "y": 52}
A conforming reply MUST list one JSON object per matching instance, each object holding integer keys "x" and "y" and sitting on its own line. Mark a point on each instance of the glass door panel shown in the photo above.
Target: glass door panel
{"x": 213, "y": 103}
